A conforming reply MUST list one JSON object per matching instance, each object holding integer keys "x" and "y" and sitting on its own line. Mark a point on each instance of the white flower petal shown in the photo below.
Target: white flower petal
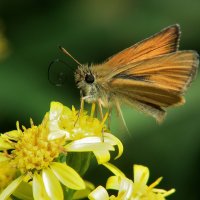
{"x": 99, "y": 193}
{"x": 126, "y": 187}
{"x": 88, "y": 144}
{"x": 57, "y": 133}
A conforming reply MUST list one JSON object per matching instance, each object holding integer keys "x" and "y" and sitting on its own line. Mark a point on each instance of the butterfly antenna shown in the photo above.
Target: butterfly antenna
{"x": 68, "y": 54}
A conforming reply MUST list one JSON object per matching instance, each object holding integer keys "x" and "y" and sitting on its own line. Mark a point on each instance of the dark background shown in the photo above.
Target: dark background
{"x": 92, "y": 31}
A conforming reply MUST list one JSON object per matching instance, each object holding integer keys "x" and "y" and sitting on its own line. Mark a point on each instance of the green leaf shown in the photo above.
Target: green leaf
{"x": 79, "y": 161}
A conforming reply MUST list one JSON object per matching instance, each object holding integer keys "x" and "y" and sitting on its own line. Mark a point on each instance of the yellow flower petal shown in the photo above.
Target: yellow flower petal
{"x": 102, "y": 156}
{"x": 67, "y": 176}
{"x": 169, "y": 192}
{"x": 156, "y": 182}
{"x": 4, "y": 145}
{"x": 52, "y": 185}
{"x": 56, "y": 109}
{"x": 13, "y": 135}
{"x": 123, "y": 184}
{"x": 141, "y": 174}
{"x": 99, "y": 193}
{"x": 54, "y": 117}
{"x": 111, "y": 139}
{"x": 114, "y": 169}
{"x": 10, "y": 188}
{"x": 39, "y": 192}
{"x": 113, "y": 182}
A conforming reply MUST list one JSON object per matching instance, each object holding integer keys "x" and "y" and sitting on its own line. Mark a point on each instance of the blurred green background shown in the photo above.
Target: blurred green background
{"x": 92, "y": 31}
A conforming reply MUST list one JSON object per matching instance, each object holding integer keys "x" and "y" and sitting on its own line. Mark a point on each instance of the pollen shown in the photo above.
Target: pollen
{"x": 33, "y": 151}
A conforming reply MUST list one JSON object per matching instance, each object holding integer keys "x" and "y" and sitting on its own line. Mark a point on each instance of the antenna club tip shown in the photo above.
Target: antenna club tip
{"x": 68, "y": 54}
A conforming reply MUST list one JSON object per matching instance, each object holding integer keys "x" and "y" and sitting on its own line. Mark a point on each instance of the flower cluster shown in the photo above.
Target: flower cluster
{"x": 35, "y": 162}
{"x": 136, "y": 189}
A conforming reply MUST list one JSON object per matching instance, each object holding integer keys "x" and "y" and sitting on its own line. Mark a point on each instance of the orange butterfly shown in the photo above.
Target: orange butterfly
{"x": 151, "y": 75}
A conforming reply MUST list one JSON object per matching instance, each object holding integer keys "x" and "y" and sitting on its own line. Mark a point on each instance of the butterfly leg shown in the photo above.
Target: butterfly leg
{"x": 109, "y": 116}
{"x": 119, "y": 112}
{"x": 80, "y": 110}
{"x": 93, "y": 110}
{"x": 101, "y": 116}
{"x": 82, "y": 100}
{"x": 81, "y": 107}
{"x": 100, "y": 108}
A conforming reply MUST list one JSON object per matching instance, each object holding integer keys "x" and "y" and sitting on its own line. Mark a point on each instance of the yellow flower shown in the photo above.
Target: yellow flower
{"x": 31, "y": 153}
{"x": 128, "y": 189}
{"x": 85, "y": 132}
{"x": 73, "y": 124}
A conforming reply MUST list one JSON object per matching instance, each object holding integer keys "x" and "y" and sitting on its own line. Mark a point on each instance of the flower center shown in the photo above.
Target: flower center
{"x": 33, "y": 151}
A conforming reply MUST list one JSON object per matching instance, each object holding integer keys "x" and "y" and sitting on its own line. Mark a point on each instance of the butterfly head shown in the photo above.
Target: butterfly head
{"x": 86, "y": 81}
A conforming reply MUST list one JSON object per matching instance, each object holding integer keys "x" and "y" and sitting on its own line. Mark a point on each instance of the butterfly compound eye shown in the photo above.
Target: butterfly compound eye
{"x": 89, "y": 78}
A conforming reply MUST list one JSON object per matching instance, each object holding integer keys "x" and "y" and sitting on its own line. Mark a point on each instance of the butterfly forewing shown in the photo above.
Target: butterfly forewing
{"x": 166, "y": 41}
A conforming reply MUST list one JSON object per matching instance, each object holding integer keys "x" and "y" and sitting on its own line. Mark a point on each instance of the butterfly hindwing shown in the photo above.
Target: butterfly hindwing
{"x": 158, "y": 82}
